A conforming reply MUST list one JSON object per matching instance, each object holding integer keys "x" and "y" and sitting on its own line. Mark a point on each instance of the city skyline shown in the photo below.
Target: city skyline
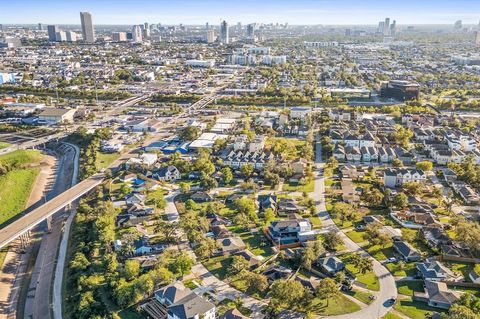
{"x": 306, "y": 12}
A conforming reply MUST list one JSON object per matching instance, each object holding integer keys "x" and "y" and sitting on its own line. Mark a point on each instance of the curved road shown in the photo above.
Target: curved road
{"x": 388, "y": 289}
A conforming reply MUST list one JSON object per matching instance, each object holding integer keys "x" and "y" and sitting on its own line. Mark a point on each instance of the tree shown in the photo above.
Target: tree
{"x": 207, "y": 181}
{"x": 247, "y": 170}
{"x": 132, "y": 269}
{"x": 373, "y": 197}
{"x": 365, "y": 265}
{"x": 402, "y": 135}
{"x": 400, "y": 200}
{"x": 375, "y": 236}
{"x": 206, "y": 248}
{"x": 190, "y": 133}
{"x": 307, "y": 258}
{"x": 332, "y": 240}
{"x": 239, "y": 263}
{"x": 425, "y": 166}
{"x": 185, "y": 187}
{"x": 181, "y": 265}
{"x": 269, "y": 215}
{"x": 227, "y": 175}
{"x": 246, "y": 206}
{"x": 286, "y": 294}
{"x": 256, "y": 282}
{"x": 340, "y": 277}
{"x": 396, "y": 162}
{"x": 169, "y": 230}
{"x": 327, "y": 289}
{"x": 411, "y": 188}
{"x": 343, "y": 212}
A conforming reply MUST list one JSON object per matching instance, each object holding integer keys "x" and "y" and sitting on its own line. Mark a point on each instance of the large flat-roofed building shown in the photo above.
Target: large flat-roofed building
{"x": 400, "y": 90}
{"x": 56, "y": 116}
{"x": 351, "y": 93}
{"x": 200, "y": 63}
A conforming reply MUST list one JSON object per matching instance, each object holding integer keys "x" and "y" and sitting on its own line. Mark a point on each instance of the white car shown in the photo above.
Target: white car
{"x": 391, "y": 260}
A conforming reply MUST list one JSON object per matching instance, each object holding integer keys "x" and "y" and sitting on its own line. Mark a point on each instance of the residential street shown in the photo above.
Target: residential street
{"x": 211, "y": 283}
{"x": 380, "y": 306}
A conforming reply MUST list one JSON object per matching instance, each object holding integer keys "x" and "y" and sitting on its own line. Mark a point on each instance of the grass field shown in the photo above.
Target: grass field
{"x": 15, "y": 189}
{"x": 361, "y": 295}
{"x": 414, "y": 309}
{"x": 409, "y": 287}
{"x": 20, "y": 157}
{"x": 293, "y": 187}
{"x": 104, "y": 160}
{"x": 336, "y": 306}
{"x": 356, "y": 236}
{"x": 391, "y": 316}
{"x": 408, "y": 269}
{"x": 4, "y": 145}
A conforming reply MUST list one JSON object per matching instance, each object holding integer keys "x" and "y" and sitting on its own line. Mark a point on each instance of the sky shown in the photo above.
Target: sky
{"x": 328, "y": 12}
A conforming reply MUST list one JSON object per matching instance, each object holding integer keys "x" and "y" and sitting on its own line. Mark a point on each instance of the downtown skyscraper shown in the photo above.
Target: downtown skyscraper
{"x": 224, "y": 36}
{"x": 87, "y": 27}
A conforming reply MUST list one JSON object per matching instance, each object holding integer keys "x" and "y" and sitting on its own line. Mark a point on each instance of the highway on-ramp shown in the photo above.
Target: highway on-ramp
{"x": 36, "y": 216}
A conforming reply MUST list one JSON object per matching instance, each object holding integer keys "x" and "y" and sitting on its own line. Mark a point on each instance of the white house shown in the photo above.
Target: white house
{"x": 394, "y": 177}
{"x": 169, "y": 173}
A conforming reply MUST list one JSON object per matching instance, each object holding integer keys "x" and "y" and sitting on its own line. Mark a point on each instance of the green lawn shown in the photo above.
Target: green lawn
{"x": 4, "y": 145}
{"x": 218, "y": 266}
{"x": 15, "y": 189}
{"x": 21, "y": 157}
{"x": 336, "y": 306}
{"x": 392, "y": 316}
{"x": 414, "y": 309}
{"x": 381, "y": 253}
{"x": 316, "y": 222}
{"x": 361, "y": 295}
{"x": 369, "y": 279}
{"x": 356, "y": 236}
{"x": 104, "y": 160}
{"x": 408, "y": 269}
{"x": 461, "y": 268}
{"x": 407, "y": 288}
{"x": 293, "y": 187}
{"x": 254, "y": 241}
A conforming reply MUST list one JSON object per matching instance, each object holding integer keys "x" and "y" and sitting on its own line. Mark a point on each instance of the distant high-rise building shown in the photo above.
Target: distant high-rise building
{"x": 207, "y": 26}
{"x": 251, "y": 30}
{"x": 393, "y": 28}
{"x": 381, "y": 27}
{"x": 119, "y": 36}
{"x": 52, "y": 32}
{"x": 477, "y": 37}
{"x": 1, "y": 27}
{"x": 458, "y": 25}
{"x": 146, "y": 30}
{"x": 348, "y": 32}
{"x": 71, "y": 36}
{"x": 137, "y": 34}
{"x": 386, "y": 27}
{"x": 40, "y": 27}
{"x": 87, "y": 27}
{"x": 224, "y": 36}
{"x": 61, "y": 36}
{"x": 210, "y": 36}
{"x": 239, "y": 26}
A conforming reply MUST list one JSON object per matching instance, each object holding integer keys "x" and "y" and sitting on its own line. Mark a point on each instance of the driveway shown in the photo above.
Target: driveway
{"x": 388, "y": 289}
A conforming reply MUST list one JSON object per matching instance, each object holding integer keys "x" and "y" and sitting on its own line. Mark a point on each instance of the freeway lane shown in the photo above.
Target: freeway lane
{"x": 30, "y": 220}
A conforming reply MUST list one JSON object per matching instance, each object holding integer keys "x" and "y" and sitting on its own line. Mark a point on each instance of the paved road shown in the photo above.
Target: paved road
{"x": 388, "y": 289}
{"x": 36, "y": 216}
{"x": 209, "y": 282}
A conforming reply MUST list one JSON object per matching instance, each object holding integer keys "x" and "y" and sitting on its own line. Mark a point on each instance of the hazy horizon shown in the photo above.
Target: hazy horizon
{"x": 191, "y": 12}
